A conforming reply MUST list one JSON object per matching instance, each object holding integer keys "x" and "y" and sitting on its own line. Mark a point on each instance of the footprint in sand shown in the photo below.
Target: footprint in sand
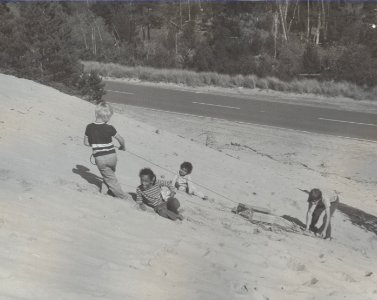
{"x": 313, "y": 281}
{"x": 245, "y": 289}
{"x": 5, "y": 174}
{"x": 347, "y": 277}
{"x": 295, "y": 265}
{"x": 208, "y": 251}
{"x": 26, "y": 185}
{"x": 241, "y": 288}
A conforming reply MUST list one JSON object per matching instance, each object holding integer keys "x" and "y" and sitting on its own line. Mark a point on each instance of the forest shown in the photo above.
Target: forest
{"x": 324, "y": 40}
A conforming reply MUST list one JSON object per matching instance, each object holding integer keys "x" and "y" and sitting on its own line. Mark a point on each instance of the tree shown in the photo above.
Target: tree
{"x": 12, "y": 46}
{"x": 357, "y": 65}
{"x": 310, "y": 60}
{"x": 50, "y": 54}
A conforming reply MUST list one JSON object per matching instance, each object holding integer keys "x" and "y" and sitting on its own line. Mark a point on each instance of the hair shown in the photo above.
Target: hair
{"x": 188, "y": 166}
{"x": 104, "y": 111}
{"x": 315, "y": 195}
{"x": 148, "y": 172}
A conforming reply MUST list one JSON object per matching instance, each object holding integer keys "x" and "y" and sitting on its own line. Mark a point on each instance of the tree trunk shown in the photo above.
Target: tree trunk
{"x": 283, "y": 19}
{"x": 308, "y": 25}
{"x": 99, "y": 31}
{"x": 94, "y": 43}
{"x": 176, "y": 43}
{"x": 324, "y": 21}
{"x": 180, "y": 13}
{"x": 318, "y": 27}
{"x": 293, "y": 17}
{"x": 84, "y": 38}
{"x": 275, "y": 30}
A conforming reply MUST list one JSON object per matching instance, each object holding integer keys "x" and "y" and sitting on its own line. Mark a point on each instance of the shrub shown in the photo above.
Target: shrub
{"x": 91, "y": 86}
{"x": 191, "y": 78}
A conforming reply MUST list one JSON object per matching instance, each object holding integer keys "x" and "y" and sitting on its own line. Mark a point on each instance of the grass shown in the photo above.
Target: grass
{"x": 195, "y": 79}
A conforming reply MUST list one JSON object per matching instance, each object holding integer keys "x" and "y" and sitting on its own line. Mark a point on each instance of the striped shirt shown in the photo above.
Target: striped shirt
{"x": 100, "y": 138}
{"x": 152, "y": 196}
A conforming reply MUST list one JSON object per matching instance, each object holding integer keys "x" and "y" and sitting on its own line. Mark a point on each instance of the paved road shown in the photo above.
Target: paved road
{"x": 298, "y": 117}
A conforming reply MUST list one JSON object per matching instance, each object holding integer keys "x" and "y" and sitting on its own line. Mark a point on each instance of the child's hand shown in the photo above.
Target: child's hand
{"x": 143, "y": 207}
{"x": 172, "y": 194}
{"x": 122, "y": 148}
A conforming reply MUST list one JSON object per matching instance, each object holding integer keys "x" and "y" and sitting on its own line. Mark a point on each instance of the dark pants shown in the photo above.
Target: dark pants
{"x": 317, "y": 213}
{"x": 169, "y": 209}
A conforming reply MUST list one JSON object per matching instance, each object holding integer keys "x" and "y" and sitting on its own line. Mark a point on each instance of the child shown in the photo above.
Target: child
{"x": 98, "y": 135}
{"x": 149, "y": 192}
{"x": 318, "y": 204}
{"x": 183, "y": 182}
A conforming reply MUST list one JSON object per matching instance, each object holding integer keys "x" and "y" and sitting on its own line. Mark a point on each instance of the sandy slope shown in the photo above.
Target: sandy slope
{"x": 61, "y": 239}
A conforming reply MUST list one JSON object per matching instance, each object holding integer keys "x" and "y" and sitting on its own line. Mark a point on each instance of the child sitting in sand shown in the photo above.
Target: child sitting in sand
{"x": 149, "y": 193}
{"x": 318, "y": 204}
{"x": 98, "y": 135}
{"x": 183, "y": 182}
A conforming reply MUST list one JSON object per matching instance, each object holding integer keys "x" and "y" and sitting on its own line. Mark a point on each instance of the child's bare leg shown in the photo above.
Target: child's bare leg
{"x": 199, "y": 194}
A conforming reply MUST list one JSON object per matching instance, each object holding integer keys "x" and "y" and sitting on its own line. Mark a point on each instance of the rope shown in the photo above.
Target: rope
{"x": 91, "y": 160}
{"x": 293, "y": 228}
{"x": 167, "y": 170}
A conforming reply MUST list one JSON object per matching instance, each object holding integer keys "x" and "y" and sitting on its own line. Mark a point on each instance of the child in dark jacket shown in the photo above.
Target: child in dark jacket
{"x": 149, "y": 193}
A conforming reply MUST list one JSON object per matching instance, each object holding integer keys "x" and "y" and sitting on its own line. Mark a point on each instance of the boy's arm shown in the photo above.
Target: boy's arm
{"x": 139, "y": 197}
{"x": 309, "y": 215}
{"x": 328, "y": 216}
{"x": 174, "y": 181}
{"x": 139, "y": 200}
{"x": 86, "y": 141}
{"x": 327, "y": 204}
{"x": 120, "y": 139}
{"x": 190, "y": 185}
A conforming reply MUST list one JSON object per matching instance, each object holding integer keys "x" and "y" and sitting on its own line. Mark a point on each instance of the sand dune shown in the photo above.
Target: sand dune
{"x": 61, "y": 239}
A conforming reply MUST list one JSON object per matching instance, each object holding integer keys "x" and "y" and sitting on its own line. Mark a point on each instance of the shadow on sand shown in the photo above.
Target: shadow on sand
{"x": 84, "y": 172}
{"x": 359, "y": 217}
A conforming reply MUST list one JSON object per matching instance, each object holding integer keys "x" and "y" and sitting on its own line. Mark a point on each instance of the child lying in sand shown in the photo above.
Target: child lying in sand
{"x": 318, "y": 204}
{"x": 183, "y": 182}
{"x": 98, "y": 135}
{"x": 149, "y": 192}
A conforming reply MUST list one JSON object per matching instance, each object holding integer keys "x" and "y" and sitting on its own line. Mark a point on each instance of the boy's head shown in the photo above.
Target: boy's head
{"x": 147, "y": 177}
{"x": 104, "y": 111}
{"x": 315, "y": 195}
{"x": 185, "y": 169}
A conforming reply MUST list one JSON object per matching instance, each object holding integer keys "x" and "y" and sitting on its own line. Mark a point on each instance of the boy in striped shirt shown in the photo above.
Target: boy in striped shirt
{"x": 98, "y": 135}
{"x": 149, "y": 193}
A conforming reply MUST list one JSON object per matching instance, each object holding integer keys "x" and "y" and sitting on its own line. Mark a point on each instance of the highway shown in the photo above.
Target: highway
{"x": 252, "y": 110}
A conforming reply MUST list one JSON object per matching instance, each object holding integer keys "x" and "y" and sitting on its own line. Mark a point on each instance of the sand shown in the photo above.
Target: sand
{"x": 61, "y": 239}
